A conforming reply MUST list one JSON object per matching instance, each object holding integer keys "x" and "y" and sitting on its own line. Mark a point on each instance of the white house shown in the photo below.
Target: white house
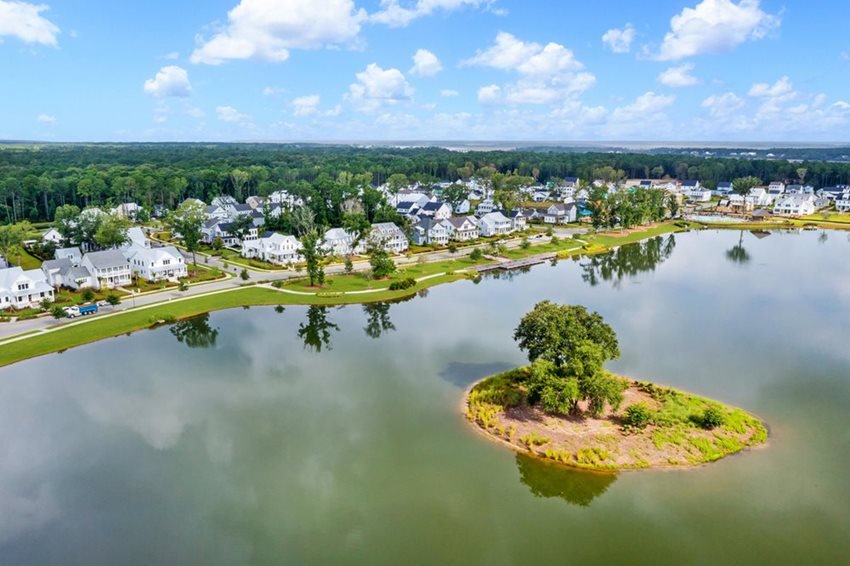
{"x": 462, "y": 208}
{"x": 760, "y": 196}
{"x": 338, "y": 242}
{"x": 776, "y": 188}
{"x": 463, "y": 228}
{"x": 137, "y": 238}
{"x": 273, "y": 247}
{"x": 109, "y": 267}
{"x": 561, "y": 214}
{"x": 156, "y": 264}
{"x": 494, "y": 224}
{"x": 388, "y": 235}
{"x": 437, "y": 210}
{"x": 64, "y": 273}
{"x": 73, "y": 254}
{"x": 431, "y": 231}
{"x": 842, "y": 203}
{"x": 519, "y": 221}
{"x": 127, "y": 210}
{"x": 53, "y": 236}
{"x": 795, "y": 205}
{"x": 285, "y": 199}
{"x": 21, "y": 289}
{"x": 486, "y": 206}
{"x": 540, "y": 196}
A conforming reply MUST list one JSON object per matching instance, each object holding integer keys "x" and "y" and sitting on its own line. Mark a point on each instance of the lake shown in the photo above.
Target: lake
{"x": 323, "y": 436}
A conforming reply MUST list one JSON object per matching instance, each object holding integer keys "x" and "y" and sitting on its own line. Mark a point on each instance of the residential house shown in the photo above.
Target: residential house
{"x": 519, "y": 221}
{"x": 760, "y": 197}
{"x": 572, "y": 182}
{"x": 74, "y": 254}
{"x": 407, "y": 208}
{"x": 21, "y": 289}
{"x": 429, "y": 231}
{"x": 833, "y": 193}
{"x": 137, "y": 237}
{"x": 776, "y": 188}
{"x": 795, "y": 205}
{"x": 409, "y": 196}
{"x": 338, "y": 242}
{"x": 53, "y": 236}
{"x": 156, "y": 264}
{"x": 224, "y": 201}
{"x": 842, "y": 203}
{"x": 129, "y": 210}
{"x": 273, "y": 247}
{"x": 462, "y": 208}
{"x": 561, "y": 214}
{"x": 494, "y": 224}
{"x": 486, "y": 206}
{"x": 690, "y": 185}
{"x": 388, "y": 235}
{"x": 724, "y": 188}
{"x": 215, "y": 228}
{"x": 109, "y": 268}
{"x": 286, "y": 200}
{"x": 255, "y": 202}
{"x": 215, "y": 212}
{"x": 64, "y": 273}
{"x": 738, "y": 203}
{"x": 540, "y": 196}
{"x": 463, "y": 228}
{"x": 437, "y": 210}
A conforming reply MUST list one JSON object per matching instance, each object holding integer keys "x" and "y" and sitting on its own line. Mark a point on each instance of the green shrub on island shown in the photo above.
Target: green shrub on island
{"x": 712, "y": 418}
{"x": 638, "y": 415}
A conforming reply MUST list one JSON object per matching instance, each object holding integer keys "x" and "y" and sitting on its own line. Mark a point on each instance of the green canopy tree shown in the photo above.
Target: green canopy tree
{"x": 112, "y": 231}
{"x": 187, "y": 222}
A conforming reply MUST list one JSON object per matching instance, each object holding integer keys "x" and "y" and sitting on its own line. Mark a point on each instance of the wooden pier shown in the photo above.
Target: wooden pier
{"x": 517, "y": 264}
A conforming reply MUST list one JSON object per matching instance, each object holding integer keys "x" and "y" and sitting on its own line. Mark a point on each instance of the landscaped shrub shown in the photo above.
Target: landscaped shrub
{"x": 402, "y": 284}
{"x": 88, "y": 295}
{"x": 476, "y": 254}
{"x": 638, "y": 415}
{"x": 712, "y": 418}
{"x": 113, "y": 299}
{"x": 58, "y": 312}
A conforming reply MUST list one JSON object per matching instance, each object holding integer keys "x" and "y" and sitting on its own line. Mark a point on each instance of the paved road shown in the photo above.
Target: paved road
{"x": 14, "y": 328}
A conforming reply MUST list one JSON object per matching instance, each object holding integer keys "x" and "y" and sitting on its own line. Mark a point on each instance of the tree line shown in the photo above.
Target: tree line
{"x": 37, "y": 179}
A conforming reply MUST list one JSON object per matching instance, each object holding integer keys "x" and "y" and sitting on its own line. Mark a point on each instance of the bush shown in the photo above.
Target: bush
{"x": 550, "y": 231}
{"x": 476, "y": 254}
{"x": 88, "y": 295}
{"x": 58, "y": 312}
{"x": 712, "y": 418}
{"x": 182, "y": 286}
{"x": 525, "y": 244}
{"x": 452, "y": 248}
{"x": 402, "y": 284}
{"x": 638, "y": 415}
{"x": 113, "y": 299}
{"x": 45, "y": 304}
{"x": 244, "y": 274}
{"x": 556, "y": 240}
{"x": 349, "y": 265}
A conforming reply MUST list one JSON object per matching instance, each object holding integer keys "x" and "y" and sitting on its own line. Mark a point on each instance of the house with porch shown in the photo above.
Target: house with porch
{"x": 463, "y": 228}
{"x": 273, "y": 248}
{"x": 494, "y": 224}
{"x": 21, "y": 289}
{"x": 388, "y": 235}
{"x": 109, "y": 268}
{"x": 431, "y": 231}
{"x": 842, "y": 203}
{"x": 561, "y": 213}
{"x": 519, "y": 220}
{"x": 156, "y": 264}
{"x": 338, "y": 242}
{"x": 795, "y": 205}
{"x": 64, "y": 273}
{"x": 437, "y": 210}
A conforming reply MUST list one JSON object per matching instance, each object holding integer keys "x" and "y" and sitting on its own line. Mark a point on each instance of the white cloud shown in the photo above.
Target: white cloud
{"x": 781, "y": 88}
{"x": 723, "y": 105}
{"x": 644, "y": 113}
{"x": 195, "y": 112}
{"x": 715, "y": 26}
{"x": 306, "y": 105}
{"x": 489, "y": 94}
{"x": 231, "y": 115}
{"x": 393, "y": 14}
{"x": 619, "y": 40}
{"x": 448, "y": 93}
{"x": 548, "y": 73}
{"x": 169, "y": 81}
{"x": 268, "y": 29}
{"x": 173, "y": 56}
{"x": 24, "y": 21}
{"x": 376, "y": 87}
{"x": 46, "y": 119}
{"x": 272, "y": 90}
{"x": 425, "y": 64}
{"x": 679, "y": 76}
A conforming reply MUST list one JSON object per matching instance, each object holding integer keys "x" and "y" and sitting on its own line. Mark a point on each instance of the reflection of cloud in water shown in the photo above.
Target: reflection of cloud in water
{"x": 463, "y": 374}
{"x": 546, "y": 479}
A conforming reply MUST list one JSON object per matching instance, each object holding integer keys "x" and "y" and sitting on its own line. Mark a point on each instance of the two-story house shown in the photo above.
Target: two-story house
{"x": 273, "y": 248}
{"x": 561, "y": 213}
{"x": 494, "y": 224}
{"x": 156, "y": 264}
{"x": 21, "y": 289}
{"x": 463, "y": 228}
{"x": 109, "y": 268}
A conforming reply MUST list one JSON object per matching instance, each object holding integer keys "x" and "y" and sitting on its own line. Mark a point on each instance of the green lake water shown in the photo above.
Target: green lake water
{"x": 325, "y": 436}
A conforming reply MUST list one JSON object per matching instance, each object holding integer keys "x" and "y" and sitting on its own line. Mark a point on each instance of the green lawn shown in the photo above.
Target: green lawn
{"x": 26, "y": 261}
{"x": 67, "y": 297}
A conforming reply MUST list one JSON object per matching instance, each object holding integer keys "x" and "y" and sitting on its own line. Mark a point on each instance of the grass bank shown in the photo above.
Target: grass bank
{"x": 674, "y": 433}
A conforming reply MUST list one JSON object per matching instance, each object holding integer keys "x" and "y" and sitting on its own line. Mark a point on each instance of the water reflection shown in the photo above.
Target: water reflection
{"x": 738, "y": 253}
{"x": 465, "y": 374}
{"x": 195, "y": 332}
{"x": 316, "y": 330}
{"x": 546, "y": 479}
{"x": 506, "y": 274}
{"x": 377, "y": 320}
{"x": 628, "y": 260}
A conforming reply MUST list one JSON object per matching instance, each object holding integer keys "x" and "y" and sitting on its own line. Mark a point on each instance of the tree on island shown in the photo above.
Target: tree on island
{"x": 568, "y": 347}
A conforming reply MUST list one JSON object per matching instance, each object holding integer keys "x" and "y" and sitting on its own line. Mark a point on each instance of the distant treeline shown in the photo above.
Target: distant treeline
{"x": 36, "y": 179}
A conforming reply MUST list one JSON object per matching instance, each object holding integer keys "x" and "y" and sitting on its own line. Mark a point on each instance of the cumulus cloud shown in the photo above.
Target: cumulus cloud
{"x": 723, "y": 105}
{"x": 489, "y": 94}
{"x": 448, "y": 93}
{"x": 715, "y": 26}
{"x": 46, "y": 119}
{"x": 269, "y": 29}
{"x": 425, "y": 64}
{"x": 679, "y": 76}
{"x": 781, "y": 88}
{"x": 306, "y": 105}
{"x": 25, "y": 22}
{"x": 376, "y": 87}
{"x": 231, "y": 115}
{"x": 393, "y": 14}
{"x": 646, "y": 109}
{"x": 169, "y": 81}
{"x": 619, "y": 40}
{"x": 547, "y": 72}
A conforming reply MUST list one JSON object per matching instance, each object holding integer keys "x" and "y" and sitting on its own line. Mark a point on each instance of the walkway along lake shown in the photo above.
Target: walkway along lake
{"x": 328, "y": 435}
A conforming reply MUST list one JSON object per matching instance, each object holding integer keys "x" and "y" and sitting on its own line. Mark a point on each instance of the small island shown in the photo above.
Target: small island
{"x": 567, "y": 408}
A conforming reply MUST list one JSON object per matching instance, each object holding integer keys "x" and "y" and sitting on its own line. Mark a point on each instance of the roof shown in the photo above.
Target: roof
{"x": 433, "y": 205}
{"x": 56, "y": 264}
{"x": 106, "y": 258}
{"x": 67, "y": 252}
{"x": 571, "y": 179}
{"x": 458, "y": 221}
{"x": 690, "y": 183}
{"x": 495, "y": 217}
{"x": 724, "y": 184}
{"x": 243, "y": 207}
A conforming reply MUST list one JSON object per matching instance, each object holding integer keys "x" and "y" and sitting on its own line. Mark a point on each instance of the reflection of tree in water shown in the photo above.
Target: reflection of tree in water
{"x": 506, "y": 274}
{"x": 628, "y": 260}
{"x": 738, "y": 253}
{"x": 316, "y": 330}
{"x": 195, "y": 332}
{"x": 546, "y": 479}
{"x": 377, "y": 319}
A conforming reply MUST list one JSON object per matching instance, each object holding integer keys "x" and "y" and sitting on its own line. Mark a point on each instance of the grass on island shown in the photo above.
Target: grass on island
{"x": 675, "y": 432}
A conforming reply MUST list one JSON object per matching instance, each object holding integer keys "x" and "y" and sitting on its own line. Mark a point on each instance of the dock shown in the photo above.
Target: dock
{"x": 517, "y": 264}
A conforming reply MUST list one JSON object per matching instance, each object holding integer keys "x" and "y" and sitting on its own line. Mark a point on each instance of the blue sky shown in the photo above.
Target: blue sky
{"x": 290, "y": 70}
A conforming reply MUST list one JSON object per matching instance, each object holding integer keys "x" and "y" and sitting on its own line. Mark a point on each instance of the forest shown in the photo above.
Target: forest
{"x": 36, "y": 179}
